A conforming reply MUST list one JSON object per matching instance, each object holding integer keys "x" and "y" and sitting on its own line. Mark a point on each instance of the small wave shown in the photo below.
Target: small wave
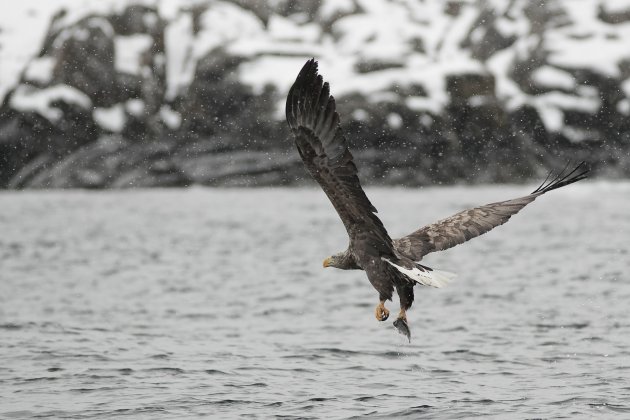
{"x": 358, "y": 368}
{"x": 229, "y": 401}
{"x": 41, "y": 379}
{"x": 334, "y": 350}
{"x": 140, "y": 410}
{"x": 199, "y": 315}
{"x": 160, "y": 356}
{"x": 459, "y": 328}
{"x": 574, "y": 325}
{"x": 215, "y": 372}
{"x": 89, "y": 390}
{"x": 302, "y": 356}
{"x": 261, "y": 368}
{"x": 470, "y": 353}
{"x": 411, "y": 412}
{"x": 22, "y": 414}
{"x": 483, "y": 401}
{"x": 594, "y": 403}
{"x": 550, "y": 343}
{"x": 613, "y": 407}
{"x": 390, "y": 354}
{"x": 286, "y": 296}
{"x": 442, "y": 371}
{"x": 320, "y": 399}
{"x": 11, "y": 326}
{"x": 171, "y": 370}
{"x": 255, "y": 385}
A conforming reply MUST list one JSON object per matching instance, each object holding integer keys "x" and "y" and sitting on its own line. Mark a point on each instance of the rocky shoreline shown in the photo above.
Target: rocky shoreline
{"x": 111, "y": 102}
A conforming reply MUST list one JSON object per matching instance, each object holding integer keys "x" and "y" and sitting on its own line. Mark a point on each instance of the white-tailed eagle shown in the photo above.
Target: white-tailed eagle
{"x": 389, "y": 263}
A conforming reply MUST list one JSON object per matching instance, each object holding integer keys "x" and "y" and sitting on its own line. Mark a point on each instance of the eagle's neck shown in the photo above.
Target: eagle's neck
{"x": 345, "y": 260}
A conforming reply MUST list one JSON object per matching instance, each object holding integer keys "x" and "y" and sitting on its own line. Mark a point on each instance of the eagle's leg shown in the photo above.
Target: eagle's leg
{"x": 402, "y": 314}
{"x": 405, "y": 293}
{"x": 382, "y": 313}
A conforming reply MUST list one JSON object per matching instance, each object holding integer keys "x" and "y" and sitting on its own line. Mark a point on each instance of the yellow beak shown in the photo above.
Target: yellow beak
{"x": 326, "y": 262}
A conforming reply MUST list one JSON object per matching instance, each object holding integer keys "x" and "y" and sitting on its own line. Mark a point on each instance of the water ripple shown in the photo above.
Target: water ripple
{"x": 211, "y": 303}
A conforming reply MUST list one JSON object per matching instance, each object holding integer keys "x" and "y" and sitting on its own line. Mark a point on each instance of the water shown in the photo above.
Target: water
{"x": 172, "y": 304}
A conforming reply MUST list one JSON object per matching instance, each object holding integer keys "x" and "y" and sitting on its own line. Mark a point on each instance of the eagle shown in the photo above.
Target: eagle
{"x": 390, "y": 264}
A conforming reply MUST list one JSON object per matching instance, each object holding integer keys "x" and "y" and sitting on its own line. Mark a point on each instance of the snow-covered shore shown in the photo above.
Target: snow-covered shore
{"x": 468, "y": 79}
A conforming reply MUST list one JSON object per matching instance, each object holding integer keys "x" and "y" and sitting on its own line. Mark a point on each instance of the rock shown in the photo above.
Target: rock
{"x": 25, "y": 175}
{"x": 614, "y": 16}
{"x": 169, "y": 95}
{"x": 85, "y": 60}
{"x": 463, "y": 87}
{"x": 218, "y": 168}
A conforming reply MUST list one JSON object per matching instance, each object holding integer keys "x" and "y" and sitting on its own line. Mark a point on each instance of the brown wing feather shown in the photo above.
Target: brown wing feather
{"x": 469, "y": 224}
{"x": 459, "y": 228}
{"x": 312, "y": 117}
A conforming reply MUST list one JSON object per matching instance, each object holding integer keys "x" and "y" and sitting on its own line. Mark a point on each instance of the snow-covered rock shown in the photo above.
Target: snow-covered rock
{"x": 44, "y": 101}
{"x": 475, "y": 82}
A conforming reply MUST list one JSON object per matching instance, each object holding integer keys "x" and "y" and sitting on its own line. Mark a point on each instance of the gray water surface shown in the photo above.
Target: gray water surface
{"x": 178, "y": 303}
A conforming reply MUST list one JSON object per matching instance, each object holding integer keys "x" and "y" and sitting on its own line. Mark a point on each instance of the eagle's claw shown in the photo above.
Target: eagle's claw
{"x": 382, "y": 313}
{"x": 403, "y": 328}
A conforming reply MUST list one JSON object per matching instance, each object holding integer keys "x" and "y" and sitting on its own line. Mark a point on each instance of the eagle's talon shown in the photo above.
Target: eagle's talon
{"x": 382, "y": 313}
{"x": 385, "y": 314}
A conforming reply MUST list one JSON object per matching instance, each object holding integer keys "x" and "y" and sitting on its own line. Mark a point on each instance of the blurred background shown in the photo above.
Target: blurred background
{"x": 126, "y": 93}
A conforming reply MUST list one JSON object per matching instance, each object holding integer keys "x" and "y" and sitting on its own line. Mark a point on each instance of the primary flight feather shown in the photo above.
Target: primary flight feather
{"x": 389, "y": 264}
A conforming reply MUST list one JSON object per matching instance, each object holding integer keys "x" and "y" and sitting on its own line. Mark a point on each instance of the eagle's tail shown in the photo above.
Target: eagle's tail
{"x": 424, "y": 275}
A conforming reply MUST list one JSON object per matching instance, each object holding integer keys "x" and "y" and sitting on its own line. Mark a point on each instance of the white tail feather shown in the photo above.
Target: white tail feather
{"x": 433, "y": 278}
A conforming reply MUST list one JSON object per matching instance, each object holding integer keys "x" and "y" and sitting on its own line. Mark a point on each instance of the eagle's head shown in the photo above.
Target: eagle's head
{"x": 332, "y": 261}
{"x": 341, "y": 260}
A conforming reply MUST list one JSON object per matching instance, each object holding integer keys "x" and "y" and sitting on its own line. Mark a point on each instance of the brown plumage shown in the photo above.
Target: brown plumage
{"x": 389, "y": 264}
{"x": 468, "y": 224}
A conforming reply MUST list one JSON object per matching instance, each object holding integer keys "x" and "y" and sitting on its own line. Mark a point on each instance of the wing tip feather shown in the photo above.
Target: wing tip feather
{"x": 562, "y": 178}
{"x": 309, "y": 100}
{"x": 305, "y": 77}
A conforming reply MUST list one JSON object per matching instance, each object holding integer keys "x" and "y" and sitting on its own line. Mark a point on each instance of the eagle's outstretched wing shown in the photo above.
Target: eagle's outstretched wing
{"x": 469, "y": 224}
{"x": 314, "y": 122}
